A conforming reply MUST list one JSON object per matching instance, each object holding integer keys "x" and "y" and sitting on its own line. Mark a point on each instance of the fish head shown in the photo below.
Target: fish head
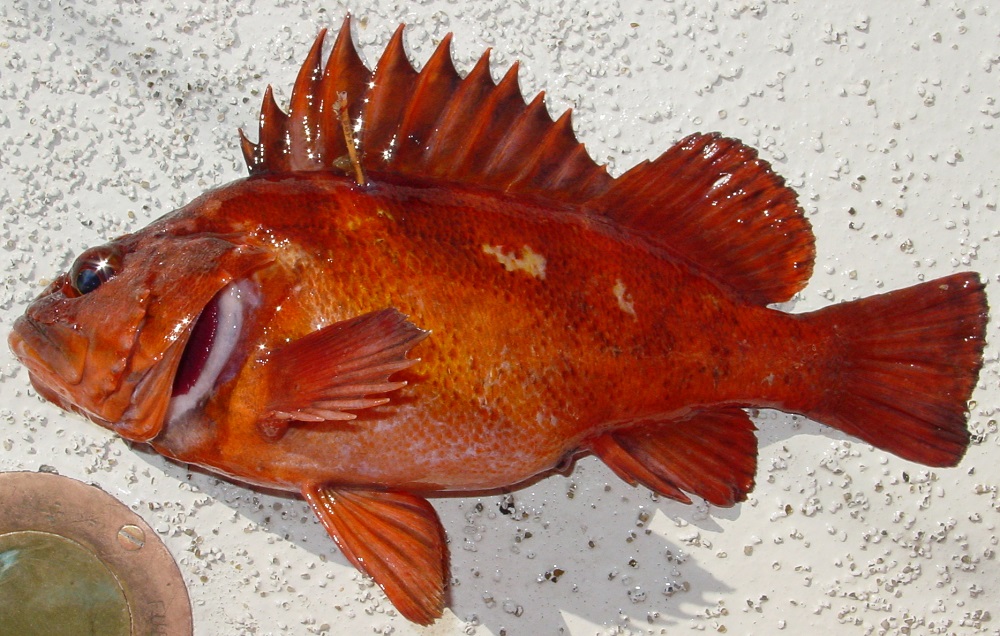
{"x": 106, "y": 338}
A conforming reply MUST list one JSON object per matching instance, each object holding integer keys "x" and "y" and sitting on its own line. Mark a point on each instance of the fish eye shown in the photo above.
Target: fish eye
{"x": 93, "y": 268}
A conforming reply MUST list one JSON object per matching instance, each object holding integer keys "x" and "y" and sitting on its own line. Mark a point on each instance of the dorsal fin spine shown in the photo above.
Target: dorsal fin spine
{"x": 537, "y": 171}
{"x": 419, "y": 121}
{"x": 527, "y": 123}
{"x": 344, "y": 71}
{"x": 304, "y": 108}
{"x": 500, "y": 107}
{"x": 273, "y": 122}
{"x": 451, "y": 133}
{"x": 565, "y": 172}
{"x": 247, "y": 147}
{"x": 531, "y": 165}
{"x": 384, "y": 105}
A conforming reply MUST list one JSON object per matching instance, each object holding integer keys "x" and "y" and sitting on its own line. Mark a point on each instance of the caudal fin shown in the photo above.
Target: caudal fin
{"x": 908, "y": 362}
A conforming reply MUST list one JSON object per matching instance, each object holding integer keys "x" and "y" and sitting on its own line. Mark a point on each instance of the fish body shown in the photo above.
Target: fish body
{"x": 547, "y": 328}
{"x": 470, "y": 305}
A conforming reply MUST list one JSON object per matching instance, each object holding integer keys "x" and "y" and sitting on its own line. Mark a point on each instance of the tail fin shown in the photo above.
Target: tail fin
{"x": 908, "y": 363}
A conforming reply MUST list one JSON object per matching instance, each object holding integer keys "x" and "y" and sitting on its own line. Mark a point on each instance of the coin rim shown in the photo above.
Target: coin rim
{"x": 154, "y": 589}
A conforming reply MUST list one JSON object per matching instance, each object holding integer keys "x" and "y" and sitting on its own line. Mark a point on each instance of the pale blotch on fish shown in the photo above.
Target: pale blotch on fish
{"x": 530, "y": 261}
{"x": 625, "y": 302}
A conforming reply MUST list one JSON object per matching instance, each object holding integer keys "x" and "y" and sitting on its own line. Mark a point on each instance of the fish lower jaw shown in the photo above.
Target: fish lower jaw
{"x": 213, "y": 340}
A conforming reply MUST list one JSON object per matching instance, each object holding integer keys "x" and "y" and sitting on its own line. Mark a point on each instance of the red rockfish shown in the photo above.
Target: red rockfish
{"x": 427, "y": 285}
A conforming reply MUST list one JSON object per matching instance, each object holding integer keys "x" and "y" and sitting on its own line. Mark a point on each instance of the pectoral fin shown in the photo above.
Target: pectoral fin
{"x": 393, "y": 537}
{"x": 336, "y": 370}
{"x": 712, "y": 454}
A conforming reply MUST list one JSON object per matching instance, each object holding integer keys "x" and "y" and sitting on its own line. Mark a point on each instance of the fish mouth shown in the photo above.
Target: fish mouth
{"x": 46, "y": 356}
{"x": 209, "y": 356}
{"x": 28, "y": 340}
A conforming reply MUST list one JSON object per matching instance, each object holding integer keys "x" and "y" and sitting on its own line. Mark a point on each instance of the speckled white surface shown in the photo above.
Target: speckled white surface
{"x": 882, "y": 115}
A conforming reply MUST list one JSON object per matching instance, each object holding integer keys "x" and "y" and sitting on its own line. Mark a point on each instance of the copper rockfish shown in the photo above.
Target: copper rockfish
{"x": 427, "y": 285}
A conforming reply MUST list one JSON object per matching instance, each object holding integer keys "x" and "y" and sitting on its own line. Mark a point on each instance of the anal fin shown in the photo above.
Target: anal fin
{"x": 394, "y": 537}
{"x": 712, "y": 454}
{"x": 331, "y": 372}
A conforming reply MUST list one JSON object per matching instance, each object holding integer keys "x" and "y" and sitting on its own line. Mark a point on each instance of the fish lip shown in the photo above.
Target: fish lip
{"x": 27, "y": 339}
{"x": 23, "y": 339}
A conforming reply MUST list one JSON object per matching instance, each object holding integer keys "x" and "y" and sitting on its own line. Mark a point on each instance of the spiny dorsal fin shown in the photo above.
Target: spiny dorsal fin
{"x": 712, "y": 201}
{"x": 431, "y": 123}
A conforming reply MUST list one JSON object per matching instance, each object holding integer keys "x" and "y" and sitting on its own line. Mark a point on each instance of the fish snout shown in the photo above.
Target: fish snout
{"x": 54, "y": 354}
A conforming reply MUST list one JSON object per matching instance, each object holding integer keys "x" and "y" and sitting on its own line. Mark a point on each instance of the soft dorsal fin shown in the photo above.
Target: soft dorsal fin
{"x": 712, "y": 201}
{"x": 431, "y": 123}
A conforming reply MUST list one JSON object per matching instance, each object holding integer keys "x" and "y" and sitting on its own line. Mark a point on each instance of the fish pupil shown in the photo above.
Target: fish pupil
{"x": 88, "y": 280}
